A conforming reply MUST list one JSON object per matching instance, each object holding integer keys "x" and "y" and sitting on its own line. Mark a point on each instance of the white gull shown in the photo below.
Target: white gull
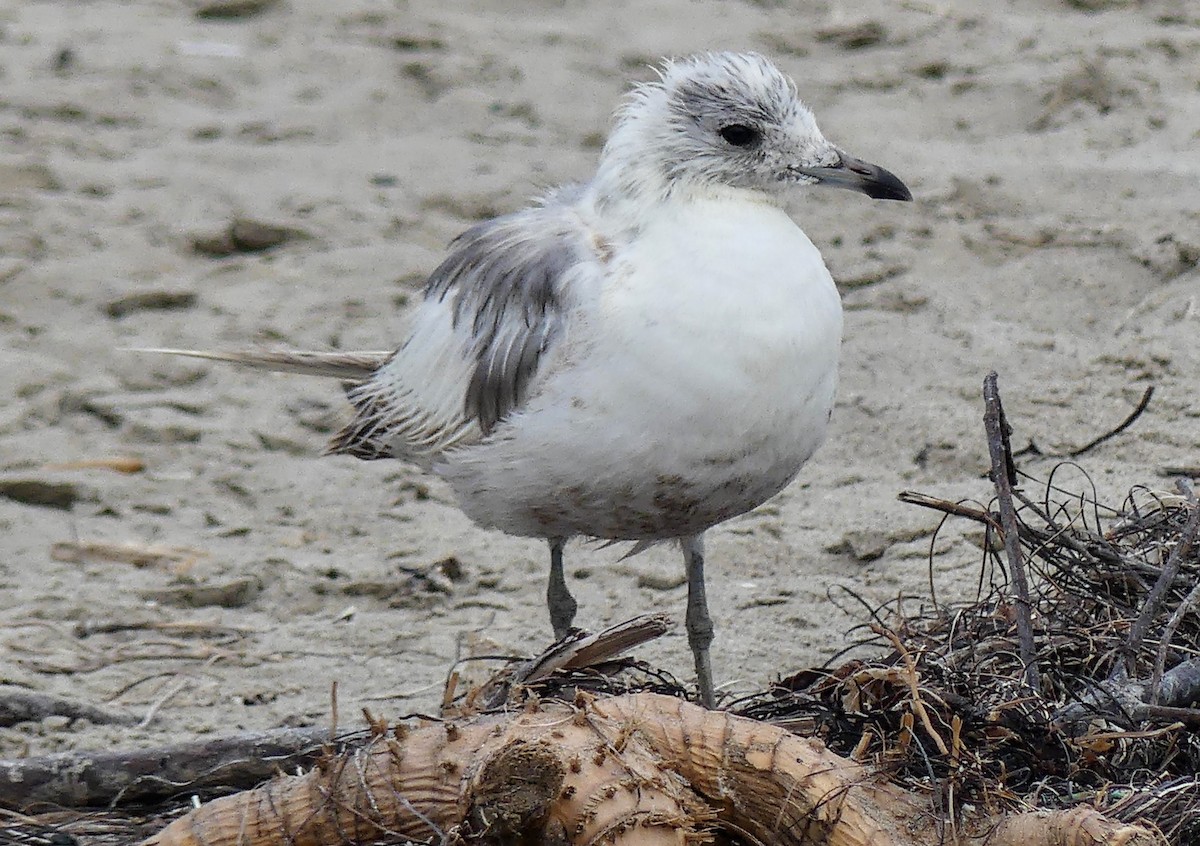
{"x": 635, "y": 359}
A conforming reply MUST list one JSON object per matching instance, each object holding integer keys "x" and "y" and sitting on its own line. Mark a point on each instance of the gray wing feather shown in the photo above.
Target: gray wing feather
{"x": 506, "y": 286}
{"x": 504, "y": 279}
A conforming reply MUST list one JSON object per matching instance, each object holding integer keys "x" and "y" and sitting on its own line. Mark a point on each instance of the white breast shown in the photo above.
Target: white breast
{"x": 692, "y": 390}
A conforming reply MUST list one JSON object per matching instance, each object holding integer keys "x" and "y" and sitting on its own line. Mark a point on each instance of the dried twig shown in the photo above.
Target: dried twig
{"x": 1004, "y": 477}
{"x": 17, "y": 706}
{"x": 176, "y": 559}
{"x": 958, "y": 509}
{"x": 1185, "y": 682}
{"x": 170, "y": 693}
{"x": 1124, "y": 424}
{"x": 914, "y": 686}
{"x": 116, "y": 463}
{"x": 94, "y": 779}
{"x": 1170, "y": 570}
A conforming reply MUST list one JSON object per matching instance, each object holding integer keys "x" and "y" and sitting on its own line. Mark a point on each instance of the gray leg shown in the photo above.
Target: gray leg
{"x": 562, "y": 605}
{"x": 699, "y": 624}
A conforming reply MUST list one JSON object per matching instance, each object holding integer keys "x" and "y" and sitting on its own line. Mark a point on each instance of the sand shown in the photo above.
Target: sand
{"x": 1055, "y": 238}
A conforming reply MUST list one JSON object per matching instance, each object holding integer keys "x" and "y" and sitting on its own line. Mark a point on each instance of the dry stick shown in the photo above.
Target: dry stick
{"x": 912, "y": 677}
{"x": 162, "y": 700}
{"x": 946, "y": 507}
{"x": 1158, "y": 593}
{"x": 1100, "y": 549}
{"x": 957, "y": 509}
{"x": 1125, "y": 424}
{"x": 1180, "y": 470}
{"x": 19, "y": 706}
{"x": 1184, "y": 680}
{"x": 1003, "y": 477}
{"x": 95, "y": 779}
{"x": 1189, "y": 716}
{"x": 333, "y": 710}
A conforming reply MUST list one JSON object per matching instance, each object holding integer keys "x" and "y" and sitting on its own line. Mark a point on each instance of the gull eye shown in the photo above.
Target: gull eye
{"x": 740, "y": 135}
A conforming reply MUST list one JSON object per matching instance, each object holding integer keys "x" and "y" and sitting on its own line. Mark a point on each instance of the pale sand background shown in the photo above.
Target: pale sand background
{"x": 1055, "y": 237}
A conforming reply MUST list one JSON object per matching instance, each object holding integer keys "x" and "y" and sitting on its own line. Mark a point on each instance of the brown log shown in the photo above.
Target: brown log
{"x": 784, "y": 789}
{"x": 1077, "y": 827}
{"x": 638, "y": 770}
{"x": 92, "y": 779}
{"x": 424, "y": 782}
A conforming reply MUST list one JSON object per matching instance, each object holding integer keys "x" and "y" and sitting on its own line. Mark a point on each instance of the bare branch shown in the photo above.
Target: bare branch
{"x": 1004, "y": 477}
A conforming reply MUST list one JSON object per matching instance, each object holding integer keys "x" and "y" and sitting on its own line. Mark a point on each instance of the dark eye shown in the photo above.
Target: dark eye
{"x": 740, "y": 135}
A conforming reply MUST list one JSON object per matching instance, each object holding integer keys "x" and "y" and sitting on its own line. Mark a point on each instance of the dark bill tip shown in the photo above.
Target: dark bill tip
{"x": 882, "y": 184}
{"x": 856, "y": 175}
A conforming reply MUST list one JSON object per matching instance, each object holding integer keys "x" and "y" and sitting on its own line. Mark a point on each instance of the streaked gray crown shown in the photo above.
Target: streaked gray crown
{"x": 735, "y": 119}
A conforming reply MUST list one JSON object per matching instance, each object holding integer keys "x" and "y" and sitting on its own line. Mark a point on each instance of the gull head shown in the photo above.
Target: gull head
{"x": 729, "y": 120}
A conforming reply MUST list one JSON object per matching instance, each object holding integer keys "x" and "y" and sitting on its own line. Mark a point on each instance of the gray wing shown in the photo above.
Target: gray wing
{"x": 492, "y": 310}
{"x": 503, "y": 280}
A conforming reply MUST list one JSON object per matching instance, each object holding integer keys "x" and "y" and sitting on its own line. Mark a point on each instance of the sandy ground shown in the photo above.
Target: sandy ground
{"x": 1055, "y": 238}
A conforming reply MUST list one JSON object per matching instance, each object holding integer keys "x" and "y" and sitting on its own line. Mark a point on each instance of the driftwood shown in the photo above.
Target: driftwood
{"x": 96, "y": 779}
{"x": 18, "y": 706}
{"x": 638, "y": 769}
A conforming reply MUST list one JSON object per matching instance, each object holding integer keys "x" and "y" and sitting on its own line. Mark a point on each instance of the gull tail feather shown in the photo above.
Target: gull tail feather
{"x": 347, "y": 366}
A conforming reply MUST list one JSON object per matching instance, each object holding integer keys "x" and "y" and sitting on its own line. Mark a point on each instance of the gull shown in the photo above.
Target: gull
{"x": 638, "y": 358}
